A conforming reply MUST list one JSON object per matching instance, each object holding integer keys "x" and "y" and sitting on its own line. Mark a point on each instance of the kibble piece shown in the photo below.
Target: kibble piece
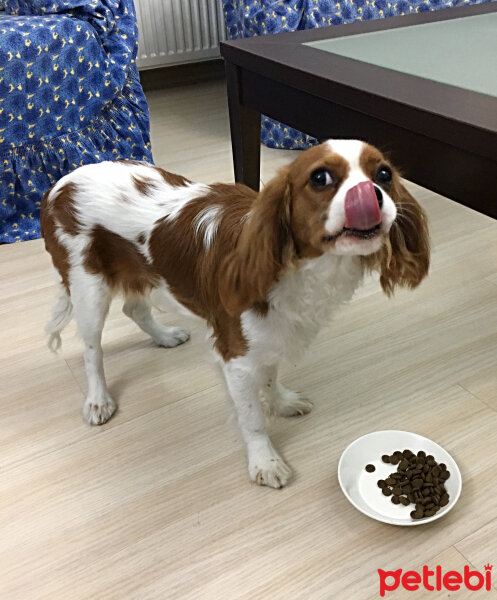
{"x": 385, "y": 458}
{"x": 444, "y": 500}
{"x": 416, "y": 484}
{"x": 403, "y": 465}
{"x": 387, "y": 491}
{"x": 370, "y": 468}
{"x": 394, "y": 459}
{"x": 429, "y": 505}
{"x": 443, "y": 466}
{"x": 429, "y": 478}
{"x": 444, "y": 475}
{"x": 421, "y": 454}
{"x": 395, "y": 500}
{"x": 397, "y": 491}
{"x": 391, "y": 481}
{"x": 435, "y": 471}
{"x": 381, "y": 483}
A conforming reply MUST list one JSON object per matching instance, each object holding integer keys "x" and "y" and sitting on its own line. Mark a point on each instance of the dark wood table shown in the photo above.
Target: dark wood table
{"x": 443, "y": 136}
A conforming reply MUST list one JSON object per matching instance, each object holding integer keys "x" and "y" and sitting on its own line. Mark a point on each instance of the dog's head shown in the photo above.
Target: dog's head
{"x": 342, "y": 197}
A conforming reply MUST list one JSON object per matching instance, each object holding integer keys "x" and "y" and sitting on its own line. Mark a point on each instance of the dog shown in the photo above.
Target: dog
{"x": 265, "y": 270}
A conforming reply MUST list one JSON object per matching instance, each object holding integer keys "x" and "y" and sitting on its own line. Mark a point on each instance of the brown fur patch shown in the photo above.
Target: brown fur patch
{"x": 172, "y": 178}
{"x": 371, "y": 159}
{"x": 309, "y": 206}
{"x": 229, "y": 340}
{"x": 192, "y": 273}
{"x": 64, "y": 210}
{"x": 119, "y": 261}
{"x": 143, "y": 184}
{"x": 58, "y": 252}
{"x": 261, "y": 308}
{"x": 141, "y": 238}
{"x": 315, "y": 158}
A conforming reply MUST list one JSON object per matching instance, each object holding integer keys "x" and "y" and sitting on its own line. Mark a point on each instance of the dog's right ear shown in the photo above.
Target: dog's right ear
{"x": 406, "y": 259}
{"x": 264, "y": 247}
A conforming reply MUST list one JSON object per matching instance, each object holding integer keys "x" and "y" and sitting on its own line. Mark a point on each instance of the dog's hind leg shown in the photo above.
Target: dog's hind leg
{"x": 139, "y": 309}
{"x": 91, "y": 299}
{"x": 280, "y": 400}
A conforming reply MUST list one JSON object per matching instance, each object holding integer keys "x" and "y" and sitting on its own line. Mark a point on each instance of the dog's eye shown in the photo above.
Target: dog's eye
{"x": 321, "y": 178}
{"x": 383, "y": 175}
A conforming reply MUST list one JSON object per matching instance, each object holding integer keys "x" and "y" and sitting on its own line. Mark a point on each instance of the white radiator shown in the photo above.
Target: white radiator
{"x": 178, "y": 31}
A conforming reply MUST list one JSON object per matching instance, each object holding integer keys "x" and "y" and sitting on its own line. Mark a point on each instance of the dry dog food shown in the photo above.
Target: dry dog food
{"x": 418, "y": 480}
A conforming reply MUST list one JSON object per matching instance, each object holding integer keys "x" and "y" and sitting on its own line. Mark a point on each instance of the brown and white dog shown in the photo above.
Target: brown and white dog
{"x": 264, "y": 270}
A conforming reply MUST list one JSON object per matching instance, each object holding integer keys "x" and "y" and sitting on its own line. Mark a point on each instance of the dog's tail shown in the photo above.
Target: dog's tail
{"x": 61, "y": 315}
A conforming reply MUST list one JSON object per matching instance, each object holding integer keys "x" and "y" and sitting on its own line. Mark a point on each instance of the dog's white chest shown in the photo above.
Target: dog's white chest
{"x": 300, "y": 304}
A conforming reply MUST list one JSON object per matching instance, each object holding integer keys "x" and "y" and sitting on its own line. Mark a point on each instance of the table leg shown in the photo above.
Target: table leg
{"x": 245, "y": 124}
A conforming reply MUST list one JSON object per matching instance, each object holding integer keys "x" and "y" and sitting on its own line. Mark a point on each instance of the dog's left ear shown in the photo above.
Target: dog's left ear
{"x": 405, "y": 259}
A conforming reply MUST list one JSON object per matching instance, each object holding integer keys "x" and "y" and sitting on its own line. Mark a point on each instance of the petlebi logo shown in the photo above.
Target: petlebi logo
{"x": 436, "y": 580}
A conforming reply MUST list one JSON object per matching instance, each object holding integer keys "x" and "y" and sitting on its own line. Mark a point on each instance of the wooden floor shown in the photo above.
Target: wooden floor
{"x": 156, "y": 504}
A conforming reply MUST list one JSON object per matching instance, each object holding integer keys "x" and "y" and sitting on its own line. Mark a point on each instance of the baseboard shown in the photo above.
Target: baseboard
{"x": 164, "y": 77}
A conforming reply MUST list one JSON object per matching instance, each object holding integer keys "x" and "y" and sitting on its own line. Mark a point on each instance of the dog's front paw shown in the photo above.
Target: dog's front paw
{"x": 266, "y": 467}
{"x": 98, "y": 410}
{"x": 290, "y": 404}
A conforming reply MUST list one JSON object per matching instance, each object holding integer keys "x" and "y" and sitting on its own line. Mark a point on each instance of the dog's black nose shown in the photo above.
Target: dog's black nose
{"x": 379, "y": 195}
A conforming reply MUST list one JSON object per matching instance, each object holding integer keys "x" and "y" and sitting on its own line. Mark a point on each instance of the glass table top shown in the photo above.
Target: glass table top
{"x": 459, "y": 52}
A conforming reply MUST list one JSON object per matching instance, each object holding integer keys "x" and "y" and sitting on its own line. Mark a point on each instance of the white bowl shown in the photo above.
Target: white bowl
{"x": 361, "y": 488}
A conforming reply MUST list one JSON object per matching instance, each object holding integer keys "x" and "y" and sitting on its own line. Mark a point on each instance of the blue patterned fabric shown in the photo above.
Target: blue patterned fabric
{"x": 247, "y": 18}
{"x": 69, "y": 95}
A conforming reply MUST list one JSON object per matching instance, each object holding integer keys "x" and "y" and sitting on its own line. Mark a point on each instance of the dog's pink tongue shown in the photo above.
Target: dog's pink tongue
{"x": 362, "y": 210}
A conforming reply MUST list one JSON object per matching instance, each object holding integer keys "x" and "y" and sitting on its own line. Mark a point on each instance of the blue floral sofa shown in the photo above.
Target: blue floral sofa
{"x": 246, "y": 18}
{"x": 69, "y": 95}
